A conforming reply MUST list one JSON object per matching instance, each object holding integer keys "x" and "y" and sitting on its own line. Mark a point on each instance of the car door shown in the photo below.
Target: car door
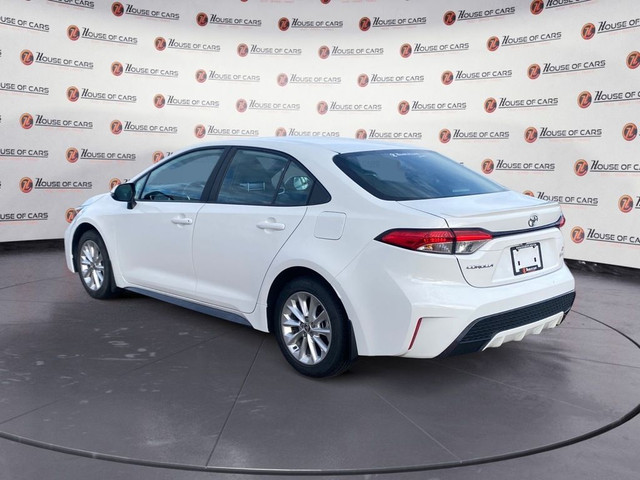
{"x": 155, "y": 236}
{"x": 260, "y": 201}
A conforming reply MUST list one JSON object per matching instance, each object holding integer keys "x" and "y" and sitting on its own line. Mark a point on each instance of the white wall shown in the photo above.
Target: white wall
{"x": 569, "y": 137}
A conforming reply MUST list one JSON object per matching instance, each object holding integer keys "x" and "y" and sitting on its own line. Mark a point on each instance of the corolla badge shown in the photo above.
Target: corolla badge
{"x": 533, "y": 219}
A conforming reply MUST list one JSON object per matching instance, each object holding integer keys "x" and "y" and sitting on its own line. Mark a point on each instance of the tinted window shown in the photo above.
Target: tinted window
{"x": 252, "y": 178}
{"x": 296, "y": 186}
{"x": 412, "y": 175}
{"x": 181, "y": 179}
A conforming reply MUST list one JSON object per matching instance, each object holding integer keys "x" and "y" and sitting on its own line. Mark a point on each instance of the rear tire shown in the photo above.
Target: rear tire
{"x": 94, "y": 267}
{"x": 312, "y": 329}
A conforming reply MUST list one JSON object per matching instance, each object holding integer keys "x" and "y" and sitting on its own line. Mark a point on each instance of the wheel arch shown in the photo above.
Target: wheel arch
{"x": 77, "y": 234}
{"x": 288, "y": 275}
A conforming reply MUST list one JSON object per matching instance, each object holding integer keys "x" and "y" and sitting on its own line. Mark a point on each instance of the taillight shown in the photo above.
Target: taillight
{"x": 561, "y": 221}
{"x": 437, "y": 241}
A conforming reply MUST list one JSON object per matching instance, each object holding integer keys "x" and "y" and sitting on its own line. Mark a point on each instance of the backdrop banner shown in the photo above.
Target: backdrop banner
{"x": 542, "y": 96}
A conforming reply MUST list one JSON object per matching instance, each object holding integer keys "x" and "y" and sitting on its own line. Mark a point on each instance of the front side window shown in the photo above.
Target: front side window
{"x": 412, "y": 175}
{"x": 182, "y": 179}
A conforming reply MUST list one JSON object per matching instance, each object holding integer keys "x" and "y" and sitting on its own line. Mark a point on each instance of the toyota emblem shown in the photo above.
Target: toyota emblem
{"x": 533, "y": 219}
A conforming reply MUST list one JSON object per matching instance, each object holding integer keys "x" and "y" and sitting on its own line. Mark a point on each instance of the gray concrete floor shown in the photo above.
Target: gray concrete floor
{"x": 136, "y": 382}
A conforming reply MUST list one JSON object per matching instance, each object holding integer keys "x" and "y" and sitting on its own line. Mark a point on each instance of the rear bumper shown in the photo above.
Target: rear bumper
{"x": 494, "y": 330}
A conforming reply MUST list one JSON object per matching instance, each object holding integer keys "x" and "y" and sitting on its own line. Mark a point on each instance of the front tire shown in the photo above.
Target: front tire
{"x": 94, "y": 267}
{"x": 312, "y": 329}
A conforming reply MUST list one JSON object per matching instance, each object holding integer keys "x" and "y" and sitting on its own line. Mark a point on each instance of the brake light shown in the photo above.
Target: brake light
{"x": 437, "y": 241}
{"x": 561, "y": 221}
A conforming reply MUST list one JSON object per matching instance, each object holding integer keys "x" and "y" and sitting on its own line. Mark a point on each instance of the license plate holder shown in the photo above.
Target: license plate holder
{"x": 526, "y": 258}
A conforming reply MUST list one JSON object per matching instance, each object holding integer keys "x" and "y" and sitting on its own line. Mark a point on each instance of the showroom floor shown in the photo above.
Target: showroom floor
{"x": 133, "y": 388}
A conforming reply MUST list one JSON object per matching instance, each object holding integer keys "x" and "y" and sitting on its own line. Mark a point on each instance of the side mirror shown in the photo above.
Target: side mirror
{"x": 125, "y": 192}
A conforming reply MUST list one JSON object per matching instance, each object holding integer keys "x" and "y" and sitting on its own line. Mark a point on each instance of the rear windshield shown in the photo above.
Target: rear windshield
{"x": 412, "y": 175}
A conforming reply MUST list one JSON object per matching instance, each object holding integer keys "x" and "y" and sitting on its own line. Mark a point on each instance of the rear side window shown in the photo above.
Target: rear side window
{"x": 412, "y": 175}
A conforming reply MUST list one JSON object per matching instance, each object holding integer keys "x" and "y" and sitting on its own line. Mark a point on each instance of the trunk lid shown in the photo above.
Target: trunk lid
{"x": 521, "y": 248}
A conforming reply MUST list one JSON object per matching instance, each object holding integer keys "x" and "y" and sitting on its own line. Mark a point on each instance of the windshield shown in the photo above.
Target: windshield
{"x": 412, "y": 175}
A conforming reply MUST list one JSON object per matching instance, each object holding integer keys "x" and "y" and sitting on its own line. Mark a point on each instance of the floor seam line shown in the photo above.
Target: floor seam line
{"x": 516, "y": 388}
{"x": 15, "y": 417}
{"x": 406, "y": 417}
{"x": 33, "y": 281}
{"x": 235, "y": 402}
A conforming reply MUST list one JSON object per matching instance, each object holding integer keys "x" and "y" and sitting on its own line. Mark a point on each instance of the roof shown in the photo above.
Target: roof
{"x": 334, "y": 144}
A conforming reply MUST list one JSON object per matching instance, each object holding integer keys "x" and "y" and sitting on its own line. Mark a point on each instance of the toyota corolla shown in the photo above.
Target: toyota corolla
{"x": 341, "y": 248}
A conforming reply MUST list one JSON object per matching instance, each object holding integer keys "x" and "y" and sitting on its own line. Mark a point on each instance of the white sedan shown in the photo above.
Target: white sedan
{"x": 339, "y": 247}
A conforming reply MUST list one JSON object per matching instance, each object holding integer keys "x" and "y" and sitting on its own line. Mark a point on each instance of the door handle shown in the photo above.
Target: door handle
{"x": 182, "y": 221}
{"x": 267, "y": 225}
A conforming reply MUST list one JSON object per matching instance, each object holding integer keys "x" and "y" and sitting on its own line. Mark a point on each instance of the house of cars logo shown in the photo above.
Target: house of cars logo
{"x": 202, "y": 19}
{"x": 404, "y": 107}
{"x": 25, "y": 185}
{"x": 200, "y": 131}
{"x": 73, "y": 94}
{"x": 536, "y": 7}
{"x": 406, "y": 50}
{"x": 160, "y": 43}
{"x": 449, "y": 18}
{"x": 625, "y": 203}
{"x": 462, "y": 75}
{"x": 363, "y": 80}
{"x": 322, "y": 107}
{"x": 528, "y": 193}
{"x": 324, "y": 52}
{"x": 568, "y": 199}
{"x": 214, "y": 19}
{"x": 242, "y": 50}
{"x": 117, "y": 69}
{"x": 577, "y": 234}
{"x": 70, "y": 214}
{"x": 581, "y": 167}
{"x": 366, "y": 23}
{"x": 26, "y": 57}
{"x": 281, "y": 132}
{"x": 24, "y": 88}
{"x": 487, "y": 166}
{"x": 493, "y": 44}
{"x": 447, "y": 77}
{"x": 114, "y": 182}
{"x": 490, "y": 105}
{"x": 117, "y": 9}
{"x": 584, "y": 99}
{"x": 533, "y": 71}
{"x": 588, "y": 31}
{"x": 158, "y": 155}
{"x": 26, "y": 121}
{"x": 629, "y": 132}
{"x": 73, "y": 32}
{"x": 72, "y": 155}
{"x": 158, "y": 100}
{"x": 23, "y": 23}
{"x": 444, "y": 135}
{"x": 531, "y": 134}
{"x": 201, "y": 76}
{"x": 46, "y": 59}
{"x": 116, "y": 127}
{"x": 241, "y": 105}
{"x": 361, "y": 134}
{"x": 282, "y": 79}
{"x": 284, "y": 24}
{"x": 633, "y": 60}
